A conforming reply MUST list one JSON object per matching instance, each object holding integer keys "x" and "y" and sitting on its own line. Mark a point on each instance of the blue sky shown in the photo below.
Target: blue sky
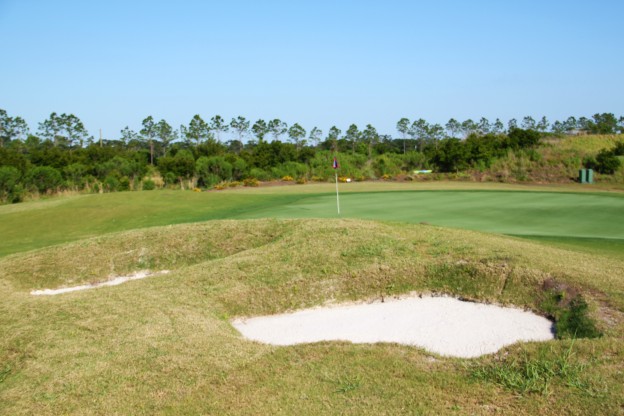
{"x": 318, "y": 63}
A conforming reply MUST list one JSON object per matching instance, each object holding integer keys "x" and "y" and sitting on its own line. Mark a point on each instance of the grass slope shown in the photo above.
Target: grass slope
{"x": 164, "y": 345}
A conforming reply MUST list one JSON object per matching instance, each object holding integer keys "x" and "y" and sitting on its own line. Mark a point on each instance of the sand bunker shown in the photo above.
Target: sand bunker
{"x": 113, "y": 282}
{"x": 442, "y": 325}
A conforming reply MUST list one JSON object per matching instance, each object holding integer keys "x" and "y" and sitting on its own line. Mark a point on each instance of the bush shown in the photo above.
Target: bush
{"x": 124, "y": 184}
{"x": 259, "y": 174}
{"x": 605, "y": 162}
{"x": 149, "y": 185}
{"x": 9, "y": 178}
{"x": 44, "y": 178}
{"x": 111, "y": 183}
{"x": 251, "y": 182}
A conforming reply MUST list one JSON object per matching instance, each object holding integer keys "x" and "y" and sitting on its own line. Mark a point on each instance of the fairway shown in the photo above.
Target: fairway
{"x": 576, "y": 219}
{"x": 513, "y": 213}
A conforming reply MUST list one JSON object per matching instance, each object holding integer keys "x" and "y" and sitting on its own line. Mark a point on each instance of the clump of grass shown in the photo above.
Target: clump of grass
{"x": 569, "y": 310}
{"x": 526, "y": 375}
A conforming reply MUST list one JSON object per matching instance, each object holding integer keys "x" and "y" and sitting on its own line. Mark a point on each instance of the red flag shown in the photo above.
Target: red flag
{"x": 335, "y": 164}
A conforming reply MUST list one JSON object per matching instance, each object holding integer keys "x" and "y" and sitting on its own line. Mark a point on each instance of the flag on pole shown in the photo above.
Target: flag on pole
{"x": 335, "y": 164}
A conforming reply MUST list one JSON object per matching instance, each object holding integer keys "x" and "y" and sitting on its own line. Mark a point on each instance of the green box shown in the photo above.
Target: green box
{"x": 581, "y": 175}
{"x": 589, "y": 175}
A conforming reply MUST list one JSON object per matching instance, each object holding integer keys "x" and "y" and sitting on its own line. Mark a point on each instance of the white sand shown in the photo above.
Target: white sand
{"x": 113, "y": 282}
{"x": 442, "y": 325}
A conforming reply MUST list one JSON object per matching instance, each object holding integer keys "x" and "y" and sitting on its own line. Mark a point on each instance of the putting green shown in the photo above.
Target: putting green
{"x": 513, "y": 213}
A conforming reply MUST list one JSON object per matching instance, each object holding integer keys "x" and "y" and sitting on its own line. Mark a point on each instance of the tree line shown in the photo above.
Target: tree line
{"x": 62, "y": 155}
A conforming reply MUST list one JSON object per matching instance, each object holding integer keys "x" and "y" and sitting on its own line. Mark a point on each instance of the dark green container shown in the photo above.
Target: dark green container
{"x": 581, "y": 175}
{"x": 589, "y": 176}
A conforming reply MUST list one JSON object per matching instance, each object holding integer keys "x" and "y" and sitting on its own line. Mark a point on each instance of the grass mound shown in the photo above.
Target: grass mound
{"x": 165, "y": 346}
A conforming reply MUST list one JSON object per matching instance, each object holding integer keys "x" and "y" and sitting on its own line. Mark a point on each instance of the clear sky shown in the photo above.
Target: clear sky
{"x": 319, "y": 63}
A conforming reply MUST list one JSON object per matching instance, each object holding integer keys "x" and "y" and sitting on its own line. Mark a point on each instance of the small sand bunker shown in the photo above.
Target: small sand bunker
{"x": 442, "y": 325}
{"x": 113, "y": 282}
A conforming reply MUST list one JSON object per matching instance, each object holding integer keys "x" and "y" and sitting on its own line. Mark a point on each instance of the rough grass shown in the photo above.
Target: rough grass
{"x": 164, "y": 345}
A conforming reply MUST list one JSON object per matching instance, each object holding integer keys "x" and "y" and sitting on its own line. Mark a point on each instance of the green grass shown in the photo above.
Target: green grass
{"x": 487, "y": 207}
{"x": 164, "y": 345}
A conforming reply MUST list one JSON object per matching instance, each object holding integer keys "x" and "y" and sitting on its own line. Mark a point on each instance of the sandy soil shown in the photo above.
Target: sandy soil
{"x": 442, "y": 325}
{"x": 112, "y": 282}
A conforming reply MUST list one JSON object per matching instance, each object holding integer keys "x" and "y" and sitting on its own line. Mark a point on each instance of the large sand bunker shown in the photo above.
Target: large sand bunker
{"x": 442, "y": 325}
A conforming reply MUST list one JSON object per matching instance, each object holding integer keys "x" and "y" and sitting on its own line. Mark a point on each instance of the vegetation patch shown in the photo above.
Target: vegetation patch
{"x": 566, "y": 306}
{"x": 526, "y": 374}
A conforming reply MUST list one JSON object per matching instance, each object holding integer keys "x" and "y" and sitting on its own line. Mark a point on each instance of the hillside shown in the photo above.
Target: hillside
{"x": 164, "y": 345}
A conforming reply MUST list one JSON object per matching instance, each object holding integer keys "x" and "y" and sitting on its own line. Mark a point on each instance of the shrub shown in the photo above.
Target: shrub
{"x": 111, "y": 183}
{"x": 287, "y": 178}
{"x": 9, "y": 178}
{"x": 605, "y": 162}
{"x": 124, "y": 184}
{"x": 149, "y": 185}
{"x": 301, "y": 180}
{"x": 251, "y": 182}
{"x": 44, "y": 178}
{"x": 259, "y": 174}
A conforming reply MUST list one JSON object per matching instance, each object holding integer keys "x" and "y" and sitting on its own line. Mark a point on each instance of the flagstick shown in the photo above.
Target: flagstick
{"x": 337, "y": 195}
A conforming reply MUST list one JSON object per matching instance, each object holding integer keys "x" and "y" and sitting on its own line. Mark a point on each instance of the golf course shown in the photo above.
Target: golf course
{"x": 165, "y": 344}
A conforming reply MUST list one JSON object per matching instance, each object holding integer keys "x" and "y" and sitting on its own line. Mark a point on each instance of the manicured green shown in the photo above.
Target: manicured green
{"x": 515, "y": 213}
{"x": 579, "y": 215}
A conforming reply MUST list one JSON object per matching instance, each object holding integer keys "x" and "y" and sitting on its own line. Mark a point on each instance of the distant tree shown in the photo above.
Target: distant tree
{"x": 620, "y": 124}
{"x": 370, "y": 137}
{"x": 218, "y": 125}
{"x": 498, "y": 127}
{"x": 558, "y": 128}
{"x": 297, "y": 134}
{"x": 277, "y": 128}
{"x": 469, "y": 127}
{"x": 11, "y": 128}
{"x": 484, "y": 126}
{"x": 403, "y": 127}
{"x": 583, "y": 124}
{"x": 128, "y": 136}
{"x": 453, "y": 127}
{"x": 528, "y": 123}
{"x": 419, "y": 131}
{"x": 353, "y": 136}
{"x": 51, "y": 128}
{"x": 72, "y": 129}
{"x": 260, "y": 129}
{"x": 198, "y": 130}
{"x": 605, "y": 123}
{"x": 570, "y": 124}
{"x": 333, "y": 135}
{"x": 512, "y": 124}
{"x": 166, "y": 134}
{"x": 315, "y": 136}
{"x": 241, "y": 126}
{"x": 543, "y": 125}
{"x": 435, "y": 133}
{"x": 148, "y": 132}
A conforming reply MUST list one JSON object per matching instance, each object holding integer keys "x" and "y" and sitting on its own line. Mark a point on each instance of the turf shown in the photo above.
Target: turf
{"x": 164, "y": 345}
{"x": 516, "y": 213}
{"x": 487, "y": 207}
